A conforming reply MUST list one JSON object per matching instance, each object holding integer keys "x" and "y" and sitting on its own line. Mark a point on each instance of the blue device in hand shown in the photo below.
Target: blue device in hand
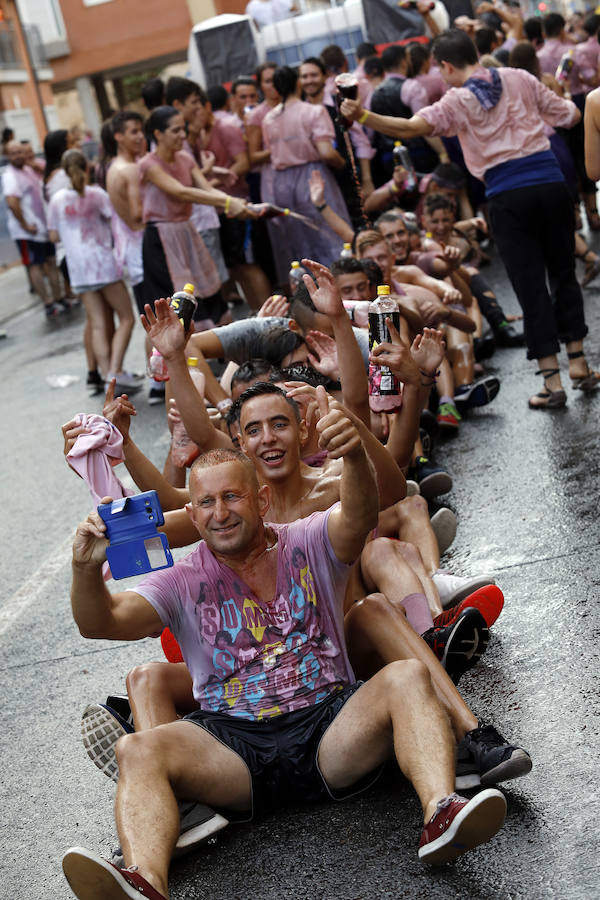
{"x": 135, "y": 545}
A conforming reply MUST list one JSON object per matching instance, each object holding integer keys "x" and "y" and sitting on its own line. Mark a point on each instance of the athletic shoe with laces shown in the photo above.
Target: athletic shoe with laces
{"x": 101, "y": 728}
{"x": 459, "y": 825}
{"x": 448, "y": 417}
{"x": 484, "y": 757}
{"x": 432, "y": 479}
{"x": 125, "y": 383}
{"x": 460, "y": 645}
{"x": 91, "y": 877}
{"x": 444, "y": 524}
{"x": 454, "y": 588}
{"x": 479, "y": 393}
{"x": 489, "y": 600}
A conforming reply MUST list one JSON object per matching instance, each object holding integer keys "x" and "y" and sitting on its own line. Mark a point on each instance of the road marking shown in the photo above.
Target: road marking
{"x": 36, "y": 586}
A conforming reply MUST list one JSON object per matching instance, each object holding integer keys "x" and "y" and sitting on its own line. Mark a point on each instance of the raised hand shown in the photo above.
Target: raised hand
{"x": 324, "y": 294}
{"x": 316, "y": 188}
{"x": 305, "y": 396}
{"x": 337, "y": 433}
{"x": 90, "y": 543}
{"x": 164, "y": 328}
{"x": 428, "y": 351}
{"x": 323, "y": 353}
{"x": 451, "y": 255}
{"x": 118, "y": 410}
{"x": 397, "y": 357}
{"x": 71, "y": 431}
{"x": 276, "y": 305}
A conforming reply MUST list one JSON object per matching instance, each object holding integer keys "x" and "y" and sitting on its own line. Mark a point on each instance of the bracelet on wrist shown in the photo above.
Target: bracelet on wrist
{"x": 431, "y": 376}
{"x": 227, "y": 204}
{"x": 321, "y": 207}
{"x": 363, "y": 117}
{"x": 393, "y": 188}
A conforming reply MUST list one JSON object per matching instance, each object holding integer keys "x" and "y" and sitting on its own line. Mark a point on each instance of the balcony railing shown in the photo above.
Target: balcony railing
{"x": 10, "y": 58}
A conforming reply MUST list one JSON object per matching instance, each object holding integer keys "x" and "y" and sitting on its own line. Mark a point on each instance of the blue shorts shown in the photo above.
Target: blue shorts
{"x": 281, "y": 753}
{"x": 35, "y": 253}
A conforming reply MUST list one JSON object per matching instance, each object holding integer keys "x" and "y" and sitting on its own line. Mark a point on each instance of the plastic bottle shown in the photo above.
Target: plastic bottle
{"x": 295, "y": 276}
{"x": 347, "y": 252}
{"x": 183, "y": 449}
{"x": 184, "y": 303}
{"x": 384, "y": 387}
{"x": 565, "y": 66}
{"x": 402, "y": 158}
{"x": 268, "y": 210}
{"x": 157, "y": 367}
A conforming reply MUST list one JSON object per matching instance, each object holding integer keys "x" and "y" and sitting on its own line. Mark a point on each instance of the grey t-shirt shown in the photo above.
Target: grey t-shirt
{"x": 270, "y": 339}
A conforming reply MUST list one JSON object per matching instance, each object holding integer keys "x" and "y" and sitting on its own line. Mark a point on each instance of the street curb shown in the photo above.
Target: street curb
{"x": 17, "y": 312}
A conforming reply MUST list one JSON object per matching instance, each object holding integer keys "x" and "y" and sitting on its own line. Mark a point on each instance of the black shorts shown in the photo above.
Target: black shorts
{"x": 35, "y": 253}
{"x": 281, "y": 753}
{"x": 235, "y": 234}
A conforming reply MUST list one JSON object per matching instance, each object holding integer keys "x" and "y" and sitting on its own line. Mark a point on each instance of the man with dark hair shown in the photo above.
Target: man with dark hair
{"x": 153, "y": 93}
{"x": 533, "y": 31}
{"x": 123, "y": 187}
{"x": 244, "y": 96}
{"x": 499, "y": 117}
{"x": 486, "y": 40}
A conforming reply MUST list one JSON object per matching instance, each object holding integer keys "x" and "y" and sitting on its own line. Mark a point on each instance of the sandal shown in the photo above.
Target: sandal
{"x": 548, "y": 399}
{"x": 592, "y": 267}
{"x": 589, "y": 381}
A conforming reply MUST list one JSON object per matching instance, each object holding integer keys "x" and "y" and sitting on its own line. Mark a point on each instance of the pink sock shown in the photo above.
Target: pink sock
{"x": 418, "y": 613}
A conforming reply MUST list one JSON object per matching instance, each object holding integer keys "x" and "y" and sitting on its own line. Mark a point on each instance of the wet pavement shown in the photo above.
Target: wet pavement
{"x": 526, "y": 496}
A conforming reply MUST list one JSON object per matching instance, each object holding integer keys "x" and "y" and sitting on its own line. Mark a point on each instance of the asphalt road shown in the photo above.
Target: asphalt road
{"x": 526, "y": 495}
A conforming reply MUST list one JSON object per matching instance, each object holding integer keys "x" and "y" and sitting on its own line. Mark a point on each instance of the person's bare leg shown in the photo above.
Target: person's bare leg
{"x": 90, "y": 356}
{"x": 445, "y": 382}
{"x": 409, "y": 521}
{"x": 53, "y": 276}
{"x": 36, "y": 273}
{"x": 179, "y": 761}
{"x": 117, "y": 297}
{"x": 254, "y": 282}
{"x": 411, "y": 554}
{"x": 94, "y": 304}
{"x": 578, "y": 368}
{"x": 377, "y": 633}
{"x": 460, "y": 354}
{"x": 398, "y": 709}
{"x": 158, "y": 692}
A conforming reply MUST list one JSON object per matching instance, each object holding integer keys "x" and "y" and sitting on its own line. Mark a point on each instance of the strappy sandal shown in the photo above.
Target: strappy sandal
{"x": 589, "y": 381}
{"x": 548, "y": 399}
{"x": 592, "y": 267}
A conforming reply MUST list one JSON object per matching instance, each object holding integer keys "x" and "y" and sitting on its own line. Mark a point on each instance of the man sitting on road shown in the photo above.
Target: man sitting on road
{"x": 337, "y": 732}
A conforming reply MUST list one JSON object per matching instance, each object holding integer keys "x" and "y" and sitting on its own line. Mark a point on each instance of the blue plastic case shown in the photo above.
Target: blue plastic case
{"x": 135, "y": 545}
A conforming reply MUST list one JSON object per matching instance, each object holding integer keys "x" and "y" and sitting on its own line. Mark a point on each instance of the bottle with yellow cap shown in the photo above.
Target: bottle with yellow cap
{"x": 384, "y": 387}
{"x": 184, "y": 303}
{"x": 402, "y": 158}
{"x": 346, "y": 252}
{"x": 295, "y": 276}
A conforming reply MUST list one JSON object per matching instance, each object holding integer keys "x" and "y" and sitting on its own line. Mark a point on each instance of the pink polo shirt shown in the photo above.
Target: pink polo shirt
{"x": 551, "y": 54}
{"x": 291, "y": 132}
{"x": 433, "y": 83}
{"x": 414, "y": 94}
{"x": 513, "y": 129}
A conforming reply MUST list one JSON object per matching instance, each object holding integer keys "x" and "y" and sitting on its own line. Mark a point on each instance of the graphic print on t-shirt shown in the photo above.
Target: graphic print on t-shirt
{"x": 267, "y": 658}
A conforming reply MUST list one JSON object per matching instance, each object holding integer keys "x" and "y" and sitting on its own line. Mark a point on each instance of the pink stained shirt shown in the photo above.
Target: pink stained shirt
{"x": 226, "y": 140}
{"x": 433, "y": 83}
{"x": 587, "y": 57}
{"x": 157, "y": 206}
{"x": 513, "y": 129}
{"x": 550, "y": 56}
{"x": 291, "y": 132}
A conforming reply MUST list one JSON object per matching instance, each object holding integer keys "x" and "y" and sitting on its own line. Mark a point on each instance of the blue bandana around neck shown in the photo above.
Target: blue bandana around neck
{"x": 488, "y": 93}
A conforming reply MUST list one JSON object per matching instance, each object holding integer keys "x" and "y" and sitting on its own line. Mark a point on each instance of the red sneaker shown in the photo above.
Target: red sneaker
{"x": 459, "y": 825}
{"x": 489, "y": 600}
{"x": 92, "y": 878}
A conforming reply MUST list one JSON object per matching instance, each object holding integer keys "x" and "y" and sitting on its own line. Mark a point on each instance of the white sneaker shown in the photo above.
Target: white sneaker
{"x": 453, "y": 588}
{"x": 412, "y": 488}
{"x": 126, "y": 383}
{"x": 444, "y": 528}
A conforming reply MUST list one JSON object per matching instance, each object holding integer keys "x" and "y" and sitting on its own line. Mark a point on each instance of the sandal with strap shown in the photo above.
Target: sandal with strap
{"x": 548, "y": 399}
{"x": 589, "y": 381}
{"x": 592, "y": 267}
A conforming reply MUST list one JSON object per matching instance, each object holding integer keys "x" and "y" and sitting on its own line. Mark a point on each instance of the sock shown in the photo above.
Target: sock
{"x": 158, "y": 385}
{"x": 446, "y": 399}
{"x": 418, "y": 613}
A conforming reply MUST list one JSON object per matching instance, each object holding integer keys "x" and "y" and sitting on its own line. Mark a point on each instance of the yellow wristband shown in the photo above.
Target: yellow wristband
{"x": 363, "y": 118}
{"x": 227, "y": 204}
{"x": 393, "y": 189}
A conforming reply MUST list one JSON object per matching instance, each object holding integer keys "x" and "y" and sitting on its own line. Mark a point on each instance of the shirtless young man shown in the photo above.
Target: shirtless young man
{"x": 122, "y": 185}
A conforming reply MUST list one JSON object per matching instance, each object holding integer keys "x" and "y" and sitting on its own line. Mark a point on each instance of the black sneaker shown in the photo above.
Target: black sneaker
{"x": 95, "y": 383}
{"x": 479, "y": 393}
{"x": 53, "y": 311}
{"x": 459, "y": 646}
{"x": 120, "y": 704}
{"x": 432, "y": 480}
{"x": 156, "y": 396}
{"x": 484, "y": 757}
{"x": 484, "y": 347}
{"x": 508, "y": 336}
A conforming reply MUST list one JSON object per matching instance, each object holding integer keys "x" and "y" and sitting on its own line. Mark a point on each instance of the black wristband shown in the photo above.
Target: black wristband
{"x": 320, "y": 208}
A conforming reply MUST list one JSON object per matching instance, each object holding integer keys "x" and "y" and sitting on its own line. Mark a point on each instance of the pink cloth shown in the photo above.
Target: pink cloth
{"x": 433, "y": 83}
{"x": 587, "y": 57}
{"x": 414, "y": 94}
{"x": 551, "y": 54}
{"x": 94, "y": 454}
{"x": 156, "y": 205}
{"x": 291, "y": 131}
{"x": 514, "y": 128}
{"x": 257, "y": 116}
{"x": 188, "y": 259}
{"x": 226, "y": 140}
